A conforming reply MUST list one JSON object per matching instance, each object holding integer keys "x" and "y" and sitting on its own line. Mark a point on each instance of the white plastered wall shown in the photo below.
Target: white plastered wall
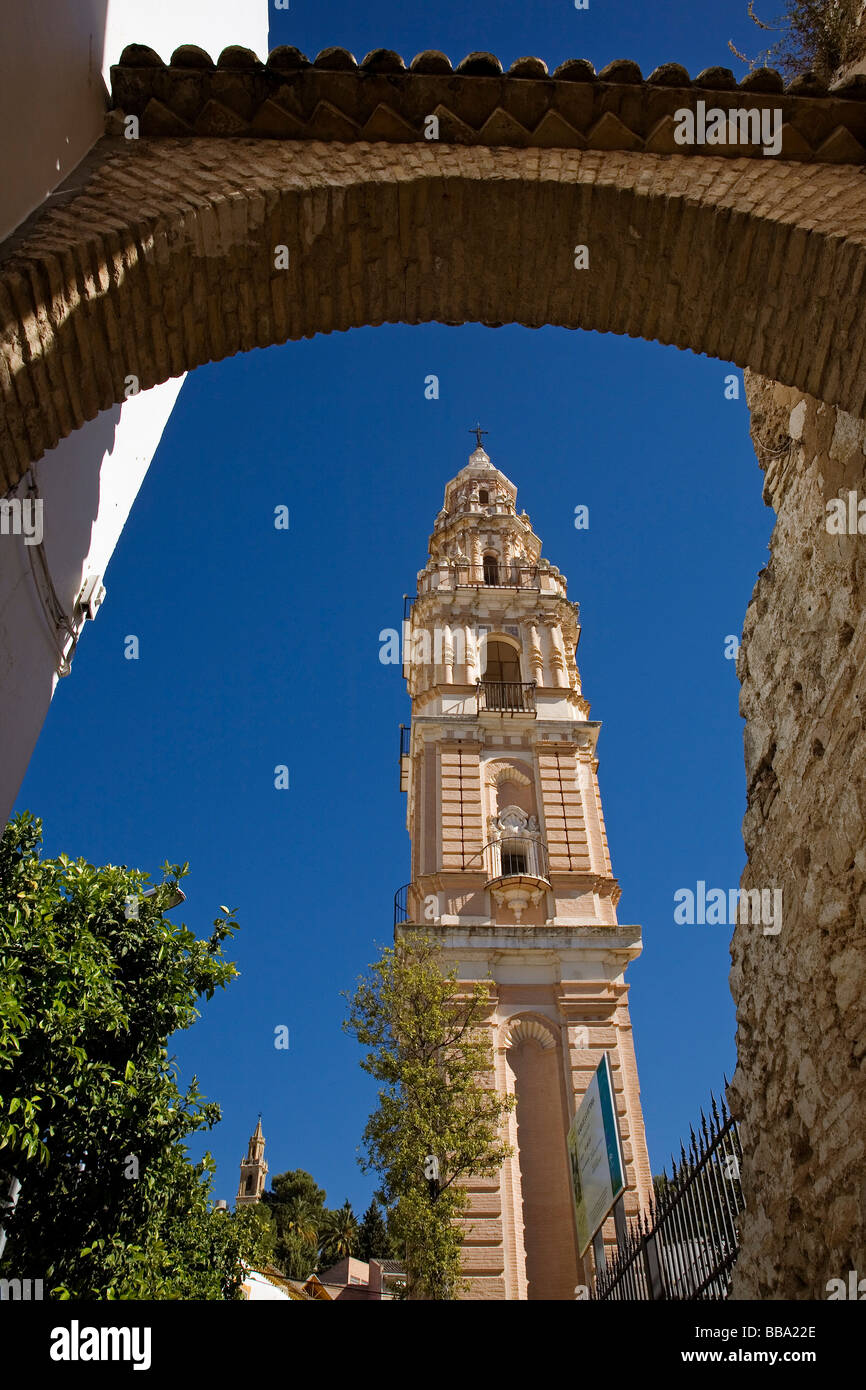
{"x": 53, "y": 97}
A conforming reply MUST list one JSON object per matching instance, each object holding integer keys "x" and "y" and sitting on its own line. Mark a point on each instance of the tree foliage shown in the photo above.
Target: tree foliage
{"x": 374, "y": 1243}
{"x": 430, "y": 1047}
{"x": 309, "y": 1236}
{"x": 820, "y": 36}
{"x": 297, "y": 1207}
{"x": 338, "y": 1236}
{"x": 93, "y": 980}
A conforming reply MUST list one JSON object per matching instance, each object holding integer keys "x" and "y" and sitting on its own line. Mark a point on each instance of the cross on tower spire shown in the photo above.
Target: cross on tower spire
{"x": 478, "y": 431}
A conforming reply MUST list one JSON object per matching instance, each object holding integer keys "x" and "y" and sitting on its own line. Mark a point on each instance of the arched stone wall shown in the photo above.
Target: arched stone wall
{"x": 165, "y": 259}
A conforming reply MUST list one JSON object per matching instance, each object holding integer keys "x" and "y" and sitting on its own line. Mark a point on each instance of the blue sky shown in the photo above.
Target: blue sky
{"x": 260, "y": 647}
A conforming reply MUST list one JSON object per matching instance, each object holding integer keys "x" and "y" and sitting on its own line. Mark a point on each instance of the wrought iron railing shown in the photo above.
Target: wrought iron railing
{"x": 503, "y": 576}
{"x": 401, "y": 905}
{"x": 511, "y": 856}
{"x": 500, "y": 576}
{"x": 515, "y": 856}
{"x": 506, "y": 697}
{"x": 686, "y": 1246}
{"x": 462, "y": 574}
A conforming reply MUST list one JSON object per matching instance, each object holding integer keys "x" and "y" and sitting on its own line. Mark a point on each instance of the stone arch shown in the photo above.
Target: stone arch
{"x": 519, "y": 1030}
{"x": 499, "y": 771}
{"x": 163, "y": 258}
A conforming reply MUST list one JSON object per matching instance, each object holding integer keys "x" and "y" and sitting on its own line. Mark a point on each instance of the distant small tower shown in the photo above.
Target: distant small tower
{"x": 254, "y": 1170}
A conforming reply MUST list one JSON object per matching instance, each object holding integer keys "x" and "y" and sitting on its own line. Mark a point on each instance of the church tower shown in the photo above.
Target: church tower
{"x": 510, "y": 869}
{"x": 254, "y": 1170}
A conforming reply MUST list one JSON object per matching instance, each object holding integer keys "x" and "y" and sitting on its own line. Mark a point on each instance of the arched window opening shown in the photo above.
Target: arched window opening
{"x": 491, "y": 569}
{"x": 500, "y": 687}
{"x": 503, "y": 663}
{"x": 483, "y": 495}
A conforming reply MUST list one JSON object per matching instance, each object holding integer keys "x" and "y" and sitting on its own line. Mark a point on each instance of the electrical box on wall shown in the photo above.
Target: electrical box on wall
{"x": 91, "y": 596}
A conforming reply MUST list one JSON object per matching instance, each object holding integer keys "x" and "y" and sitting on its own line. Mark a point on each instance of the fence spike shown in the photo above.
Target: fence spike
{"x": 694, "y": 1145}
{"x": 625, "y": 1275}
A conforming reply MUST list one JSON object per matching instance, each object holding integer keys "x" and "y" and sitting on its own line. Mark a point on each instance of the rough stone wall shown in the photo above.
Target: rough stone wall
{"x": 800, "y": 1083}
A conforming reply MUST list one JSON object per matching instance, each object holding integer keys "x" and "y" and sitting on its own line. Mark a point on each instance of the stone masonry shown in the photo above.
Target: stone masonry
{"x": 800, "y": 1083}
{"x": 159, "y": 252}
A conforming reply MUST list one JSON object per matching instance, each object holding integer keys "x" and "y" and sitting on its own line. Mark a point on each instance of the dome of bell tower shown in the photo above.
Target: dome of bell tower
{"x": 478, "y": 485}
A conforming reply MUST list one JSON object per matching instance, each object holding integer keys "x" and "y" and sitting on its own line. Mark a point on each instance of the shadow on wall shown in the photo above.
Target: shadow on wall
{"x": 68, "y": 482}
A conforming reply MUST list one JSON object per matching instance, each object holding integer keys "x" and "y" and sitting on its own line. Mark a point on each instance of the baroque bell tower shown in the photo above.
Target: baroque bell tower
{"x": 510, "y": 869}
{"x": 254, "y": 1170}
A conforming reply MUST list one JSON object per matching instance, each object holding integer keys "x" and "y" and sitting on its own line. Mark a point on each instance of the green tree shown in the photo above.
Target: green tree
{"x": 93, "y": 980}
{"x": 373, "y": 1240}
{"x": 338, "y": 1236}
{"x": 263, "y": 1230}
{"x": 430, "y": 1047}
{"x": 296, "y": 1185}
{"x": 297, "y": 1206}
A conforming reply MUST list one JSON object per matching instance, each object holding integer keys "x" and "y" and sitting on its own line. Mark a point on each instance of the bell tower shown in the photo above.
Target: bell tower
{"x": 254, "y": 1170}
{"x": 510, "y": 868}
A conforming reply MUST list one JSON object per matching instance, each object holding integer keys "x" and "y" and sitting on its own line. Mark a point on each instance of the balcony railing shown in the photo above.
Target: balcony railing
{"x": 502, "y": 577}
{"x": 506, "y": 697}
{"x": 515, "y": 856}
{"x": 464, "y": 574}
{"x": 401, "y": 905}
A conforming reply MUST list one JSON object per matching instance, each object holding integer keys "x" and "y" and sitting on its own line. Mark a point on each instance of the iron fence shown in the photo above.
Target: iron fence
{"x": 685, "y": 1247}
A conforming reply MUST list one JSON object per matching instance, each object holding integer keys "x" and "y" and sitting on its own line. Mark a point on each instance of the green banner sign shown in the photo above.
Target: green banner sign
{"x": 597, "y": 1172}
